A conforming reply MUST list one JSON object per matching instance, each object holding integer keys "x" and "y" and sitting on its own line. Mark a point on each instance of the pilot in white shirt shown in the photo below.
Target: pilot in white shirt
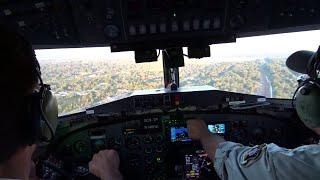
{"x": 269, "y": 161}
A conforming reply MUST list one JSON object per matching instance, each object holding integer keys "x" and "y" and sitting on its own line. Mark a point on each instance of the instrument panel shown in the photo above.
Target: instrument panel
{"x": 148, "y": 130}
{"x": 158, "y": 147}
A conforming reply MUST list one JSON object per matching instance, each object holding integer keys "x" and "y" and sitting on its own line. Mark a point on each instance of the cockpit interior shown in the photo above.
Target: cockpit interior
{"x": 147, "y": 127}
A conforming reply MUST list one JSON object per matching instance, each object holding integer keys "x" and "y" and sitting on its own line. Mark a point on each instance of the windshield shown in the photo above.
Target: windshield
{"x": 84, "y": 77}
{"x": 268, "y": 77}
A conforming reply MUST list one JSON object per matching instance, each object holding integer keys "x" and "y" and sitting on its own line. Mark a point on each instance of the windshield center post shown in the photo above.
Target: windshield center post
{"x": 172, "y": 59}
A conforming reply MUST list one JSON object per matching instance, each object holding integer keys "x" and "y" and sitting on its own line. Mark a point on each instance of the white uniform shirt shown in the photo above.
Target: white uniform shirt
{"x": 268, "y": 161}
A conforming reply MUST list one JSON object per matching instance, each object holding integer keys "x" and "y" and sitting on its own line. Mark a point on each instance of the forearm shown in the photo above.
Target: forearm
{"x": 210, "y": 144}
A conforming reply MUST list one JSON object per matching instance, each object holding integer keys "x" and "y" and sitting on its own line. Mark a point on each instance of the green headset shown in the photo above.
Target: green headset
{"x": 307, "y": 95}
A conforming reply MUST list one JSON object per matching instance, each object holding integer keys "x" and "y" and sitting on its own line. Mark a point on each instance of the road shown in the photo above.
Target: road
{"x": 266, "y": 86}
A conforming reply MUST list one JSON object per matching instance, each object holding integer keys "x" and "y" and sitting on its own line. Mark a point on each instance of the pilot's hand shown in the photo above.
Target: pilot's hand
{"x": 197, "y": 129}
{"x": 105, "y": 165}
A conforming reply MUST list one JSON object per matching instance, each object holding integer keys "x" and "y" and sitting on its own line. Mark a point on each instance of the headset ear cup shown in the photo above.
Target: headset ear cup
{"x": 50, "y": 112}
{"x": 307, "y": 105}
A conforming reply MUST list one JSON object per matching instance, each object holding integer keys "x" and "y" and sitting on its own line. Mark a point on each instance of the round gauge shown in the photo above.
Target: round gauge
{"x": 112, "y": 31}
{"x": 149, "y": 160}
{"x": 159, "y": 159}
{"x": 147, "y": 139}
{"x": 159, "y": 138}
{"x": 115, "y": 143}
{"x": 148, "y": 150}
{"x": 133, "y": 142}
{"x": 159, "y": 149}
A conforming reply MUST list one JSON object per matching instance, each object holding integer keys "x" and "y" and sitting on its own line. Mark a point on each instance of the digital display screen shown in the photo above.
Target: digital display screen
{"x": 179, "y": 134}
{"x": 217, "y": 128}
{"x": 198, "y": 165}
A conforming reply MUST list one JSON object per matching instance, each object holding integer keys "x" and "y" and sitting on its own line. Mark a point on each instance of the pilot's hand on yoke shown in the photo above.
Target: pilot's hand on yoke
{"x": 105, "y": 165}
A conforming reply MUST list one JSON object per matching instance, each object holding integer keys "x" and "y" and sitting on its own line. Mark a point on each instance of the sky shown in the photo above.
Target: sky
{"x": 251, "y": 48}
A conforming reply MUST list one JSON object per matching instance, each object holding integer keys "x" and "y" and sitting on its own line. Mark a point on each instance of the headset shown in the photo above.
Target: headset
{"x": 43, "y": 111}
{"x": 307, "y": 95}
